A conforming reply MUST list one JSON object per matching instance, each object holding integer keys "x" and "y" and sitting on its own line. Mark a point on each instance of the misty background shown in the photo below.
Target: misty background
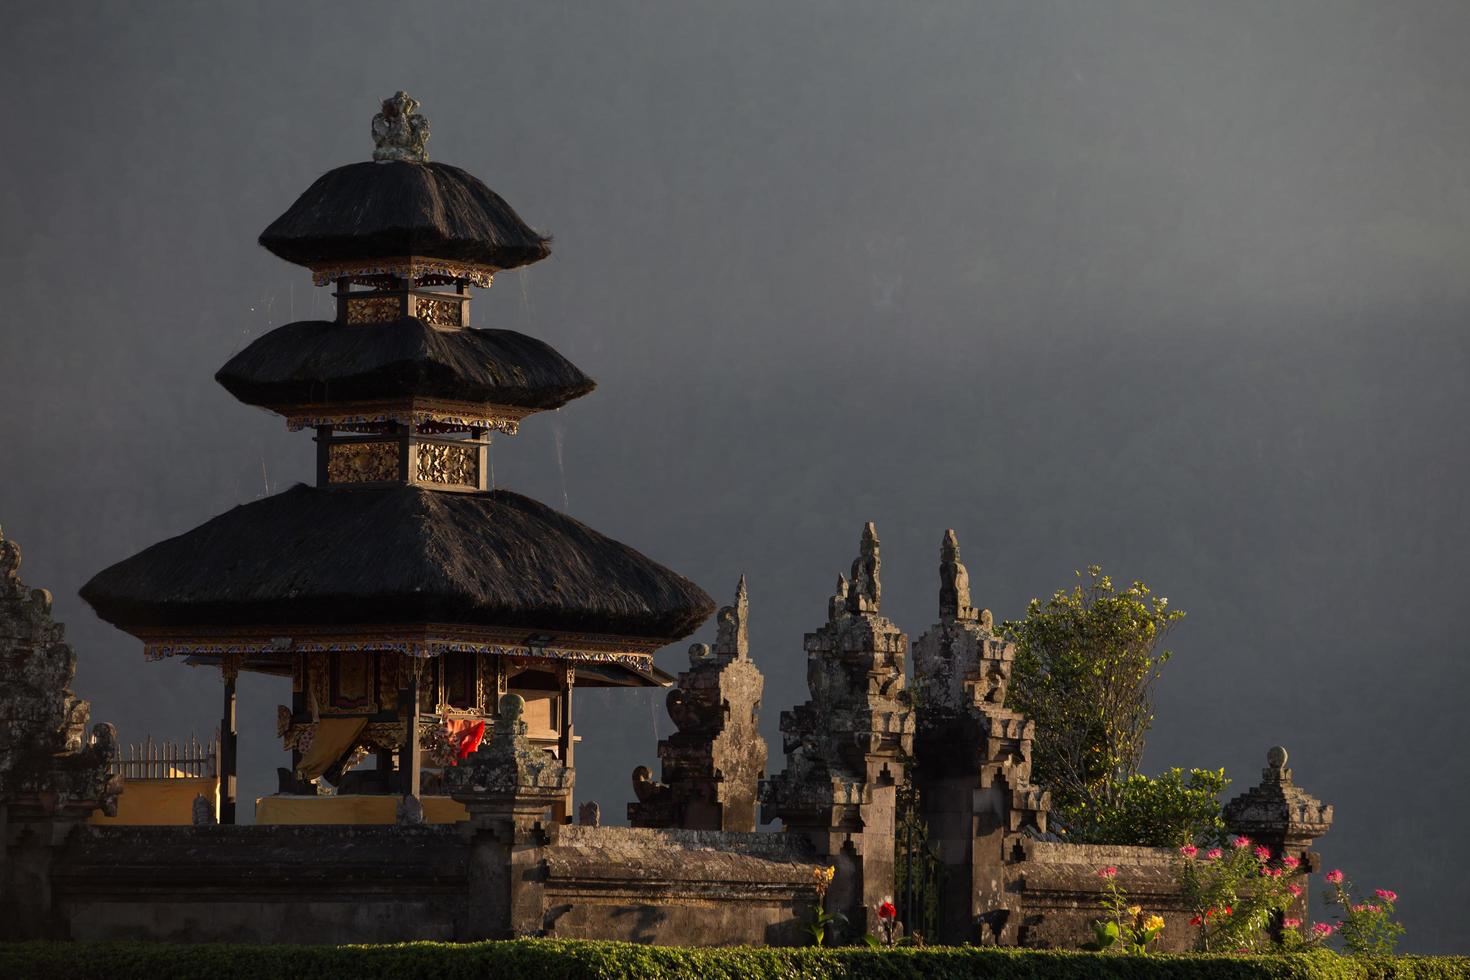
{"x": 1178, "y": 288}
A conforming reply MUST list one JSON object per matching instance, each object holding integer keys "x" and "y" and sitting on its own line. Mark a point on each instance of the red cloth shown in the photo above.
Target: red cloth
{"x": 465, "y": 736}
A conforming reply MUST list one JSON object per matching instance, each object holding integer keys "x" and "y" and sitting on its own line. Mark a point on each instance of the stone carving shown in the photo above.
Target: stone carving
{"x": 1276, "y": 812}
{"x": 399, "y": 132}
{"x": 48, "y": 763}
{"x": 203, "y": 812}
{"x": 713, "y": 765}
{"x": 589, "y": 814}
{"x": 447, "y": 464}
{"x": 409, "y": 811}
{"x": 508, "y": 779}
{"x": 362, "y": 462}
{"x": 972, "y": 757}
{"x": 846, "y": 747}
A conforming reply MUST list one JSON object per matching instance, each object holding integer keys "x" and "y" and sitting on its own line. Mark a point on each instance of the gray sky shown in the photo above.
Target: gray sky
{"x": 1178, "y": 288}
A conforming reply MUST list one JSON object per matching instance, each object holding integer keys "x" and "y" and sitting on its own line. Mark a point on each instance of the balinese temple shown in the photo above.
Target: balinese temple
{"x": 402, "y": 594}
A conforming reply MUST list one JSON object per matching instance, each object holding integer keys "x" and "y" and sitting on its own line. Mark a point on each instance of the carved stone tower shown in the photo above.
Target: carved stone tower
{"x": 713, "y": 765}
{"x": 972, "y": 758}
{"x": 845, "y": 747}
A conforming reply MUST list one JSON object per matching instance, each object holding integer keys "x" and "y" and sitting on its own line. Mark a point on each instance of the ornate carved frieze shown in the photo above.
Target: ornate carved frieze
{"x": 423, "y": 271}
{"x": 439, "y": 312}
{"x": 422, "y": 414}
{"x": 362, "y": 462}
{"x": 449, "y": 464}
{"x": 374, "y": 309}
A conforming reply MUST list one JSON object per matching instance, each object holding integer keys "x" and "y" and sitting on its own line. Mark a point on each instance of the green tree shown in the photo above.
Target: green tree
{"x": 1086, "y": 662}
{"x": 1170, "y": 810}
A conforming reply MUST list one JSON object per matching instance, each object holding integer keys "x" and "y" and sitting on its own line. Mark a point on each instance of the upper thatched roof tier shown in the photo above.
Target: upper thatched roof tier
{"x": 399, "y": 555}
{"x": 323, "y": 363}
{"x": 396, "y": 209}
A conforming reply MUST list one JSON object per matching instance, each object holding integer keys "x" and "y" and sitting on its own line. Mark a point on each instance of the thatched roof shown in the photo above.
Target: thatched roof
{"x": 328, "y": 556}
{"x": 393, "y": 210}
{"x": 321, "y": 362}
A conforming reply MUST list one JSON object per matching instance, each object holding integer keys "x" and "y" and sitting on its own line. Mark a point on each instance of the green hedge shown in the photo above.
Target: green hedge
{"x": 555, "y": 960}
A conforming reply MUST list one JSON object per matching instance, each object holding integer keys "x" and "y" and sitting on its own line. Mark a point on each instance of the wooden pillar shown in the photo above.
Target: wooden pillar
{"x": 228, "y": 741}
{"x": 409, "y": 764}
{"x": 562, "y": 813}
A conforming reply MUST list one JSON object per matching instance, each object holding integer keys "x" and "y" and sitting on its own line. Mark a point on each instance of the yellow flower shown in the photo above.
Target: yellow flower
{"x": 1134, "y": 909}
{"x": 1154, "y": 922}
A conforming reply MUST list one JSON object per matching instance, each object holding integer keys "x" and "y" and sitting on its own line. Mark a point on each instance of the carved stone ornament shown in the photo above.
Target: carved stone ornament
{"x": 508, "y": 762}
{"x": 1277, "y": 810}
{"x": 399, "y": 132}
{"x": 48, "y": 762}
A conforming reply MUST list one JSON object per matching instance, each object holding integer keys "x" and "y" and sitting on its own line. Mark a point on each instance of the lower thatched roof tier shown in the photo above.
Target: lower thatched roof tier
{"x": 322, "y": 556}
{"x": 385, "y": 210}
{"x": 320, "y": 362}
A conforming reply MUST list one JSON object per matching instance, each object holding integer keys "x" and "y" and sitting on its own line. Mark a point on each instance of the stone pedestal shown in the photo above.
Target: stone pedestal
{"x": 972, "y": 762}
{"x": 713, "y": 765}
{"x": 846, "y": 747}
{"x": 510, "y": 788}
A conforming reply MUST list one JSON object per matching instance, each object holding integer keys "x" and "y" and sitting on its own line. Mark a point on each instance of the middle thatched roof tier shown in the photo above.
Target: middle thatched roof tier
{"x": 319, "y": 369}
{"x": 324, "y": 561}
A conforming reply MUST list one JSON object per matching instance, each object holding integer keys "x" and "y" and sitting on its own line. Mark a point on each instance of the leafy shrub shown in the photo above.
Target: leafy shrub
{"x": 1167, "y": 811}
{"x": 548, "y": 959}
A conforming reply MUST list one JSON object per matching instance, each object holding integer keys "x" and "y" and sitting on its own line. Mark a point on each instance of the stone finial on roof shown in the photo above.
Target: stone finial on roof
{"x": 837, "y": 604}
{"x": 733, "y": 638}
{"x": 399, "y": 132}
{"x": 866, "y": 592}
{"x": 954, "y": 582}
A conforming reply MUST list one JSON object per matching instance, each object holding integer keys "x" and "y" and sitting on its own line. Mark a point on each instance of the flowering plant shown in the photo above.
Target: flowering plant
{"x": 1127, "y": 929}
{"x": 888, "y": 923}
{"x": 821, "y": 918}
{"x": 1236, "y": 892}
{"x": 1367, "y": 928}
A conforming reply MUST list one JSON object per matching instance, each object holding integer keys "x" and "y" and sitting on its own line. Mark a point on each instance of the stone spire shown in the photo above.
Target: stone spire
{"x": 712, "y": 766}
{"x": 866, "y": 593}
{"x": 399, "y": 132}
{"x": 973, "y": 757}
{"x": 49, "y": 765}
{"x": 954, "y": 582}
{"x": 733, "y": 637}
{"x": 847, "y": 746}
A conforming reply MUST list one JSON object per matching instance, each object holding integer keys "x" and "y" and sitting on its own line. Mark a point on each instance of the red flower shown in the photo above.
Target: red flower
{"x": 887, "y": 911}
{"x": 1196, "y": 921}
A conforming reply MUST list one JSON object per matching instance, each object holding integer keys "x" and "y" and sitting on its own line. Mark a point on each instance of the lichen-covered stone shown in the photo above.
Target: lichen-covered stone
{"x": 713, "y": 765}
{"x": 49, "y": 765}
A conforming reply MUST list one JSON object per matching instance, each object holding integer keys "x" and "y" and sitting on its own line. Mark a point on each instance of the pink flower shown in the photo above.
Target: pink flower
{"x": 1239, "y": 842}
{"x": 1108, "y": 872}
{"x": 1213, "y": 854}
{"x": 1292, "y": 923}
{"x": 1333, "y": 877}
{"x": 1290, "y": 861}
{"x": 1262, "y": 852}
{"x": 1359, "y": 909}
{"x": 1387, "y": 895}
{"x": 1189, "y": 850}
{"x": 1296, "y": 890}
{"x": 1270, "y": 872}
{"x": 1322, "y": 929}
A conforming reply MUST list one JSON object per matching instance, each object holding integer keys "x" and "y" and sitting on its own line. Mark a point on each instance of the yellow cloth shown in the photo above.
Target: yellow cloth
{"x": 333, "y": 737}
{"x": 350, "y": 809}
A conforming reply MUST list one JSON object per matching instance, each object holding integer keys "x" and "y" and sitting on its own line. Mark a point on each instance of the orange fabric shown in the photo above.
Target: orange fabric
{"x": 465, "y": 735}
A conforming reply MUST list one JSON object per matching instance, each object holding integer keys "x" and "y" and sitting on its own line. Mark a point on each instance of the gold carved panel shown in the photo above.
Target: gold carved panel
{"x": 374, "y": 309}
{"x": 362, "y": 462}
{"x": 438, "y": 312}
{"x": 449, "y": 464}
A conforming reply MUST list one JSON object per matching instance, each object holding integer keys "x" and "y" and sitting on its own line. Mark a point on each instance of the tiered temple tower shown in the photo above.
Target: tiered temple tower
{"x": 713, "y": 765}
{"x": 846, "y": 747}
{"x": 972, "y": 759}
{"x": 402, "y": 594}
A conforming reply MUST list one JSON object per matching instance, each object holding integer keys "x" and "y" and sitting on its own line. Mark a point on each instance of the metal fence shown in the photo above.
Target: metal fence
{"x": 192, "y": 759}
